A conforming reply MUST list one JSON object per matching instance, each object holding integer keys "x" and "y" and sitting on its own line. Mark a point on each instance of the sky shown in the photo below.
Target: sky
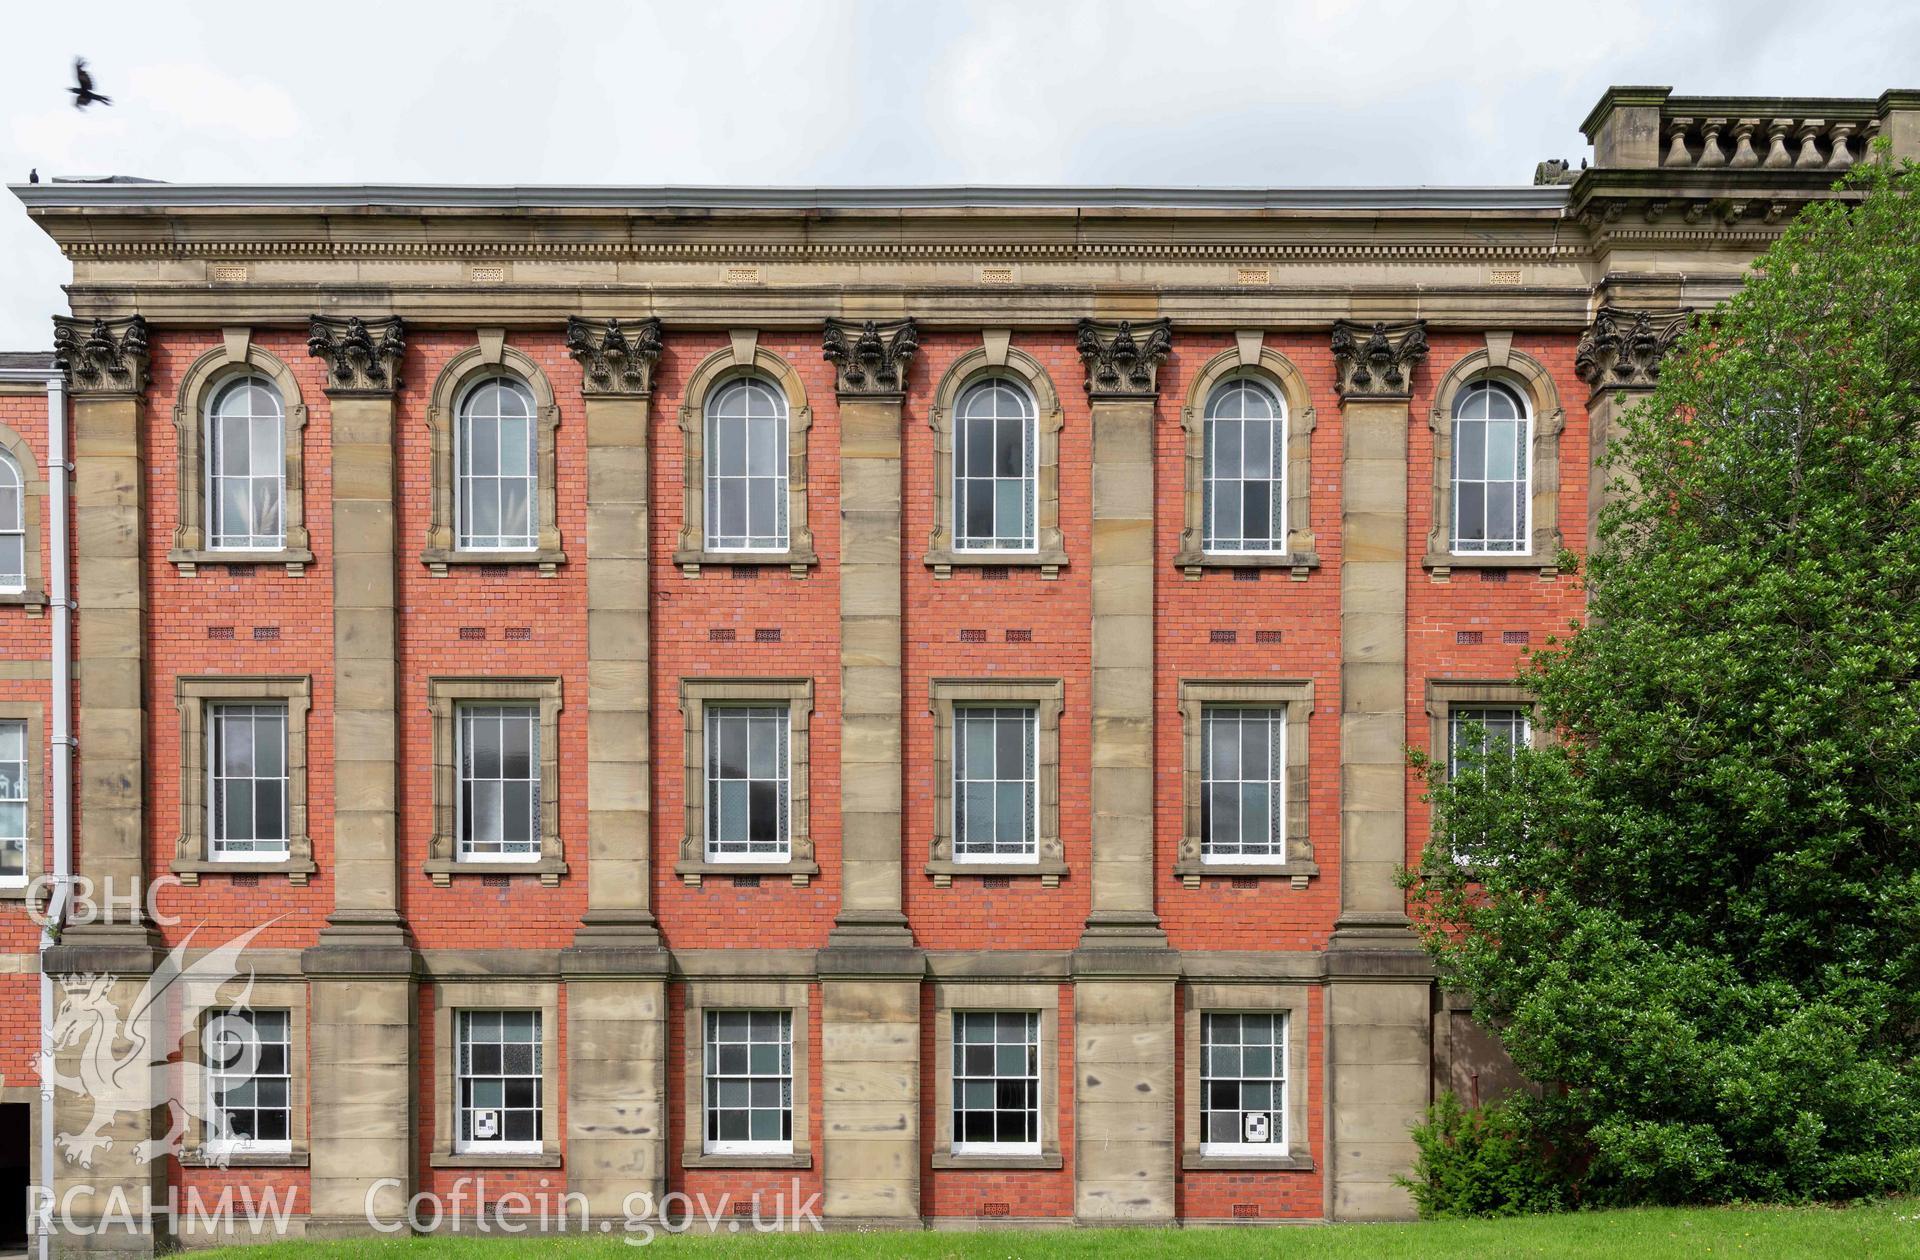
{"x": 1284, "y": 93}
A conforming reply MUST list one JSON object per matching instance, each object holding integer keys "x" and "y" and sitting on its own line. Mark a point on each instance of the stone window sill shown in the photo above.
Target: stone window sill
{"x": 191, "y": 870}
{"x": 694, "y": 871}
{"x": 548, "y": 560}
{"x": 505, "y": 1159}
{"x": 1045, "y": 1159}
{"x": 1048, "y": 872}
{"x": 1049, "y": 561}
{"x": 1191, "y": 873}
{"x": 796, "y": 560}
{"x": 442, "y": 871}
{"x": 188, "y": 562}
{"x": 1193, "y": 1161}
{"x": 1440, "y": 567}
{"x": 35, "y": 602}
{"x": 703, "y": 1159}
{"x": 1195, "y": 563}
{"x": 18, "y": 892}
{"x": 282, "y": 1159}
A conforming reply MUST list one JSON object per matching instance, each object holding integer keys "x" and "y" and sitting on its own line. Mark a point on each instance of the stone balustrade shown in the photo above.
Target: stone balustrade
{"x": 1775, "y": 142}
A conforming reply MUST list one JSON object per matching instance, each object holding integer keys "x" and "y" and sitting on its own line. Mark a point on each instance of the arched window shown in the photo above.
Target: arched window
{"x": 746, "y": 470}
{"x": 994, "y": 502}
{"x": 13, "y": 527}
{"x": 246, "y": 466}
{"x": 1492, "y": 472}
{"x": 497, "y": 478}
{"x": 1246, "y": 467}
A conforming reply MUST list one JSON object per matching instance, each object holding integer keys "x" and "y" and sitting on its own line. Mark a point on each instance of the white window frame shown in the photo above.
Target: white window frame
{"x": 1030, "y": 479}
{"x": 530, "y": 712}
{"x": 1030, "y": 854}
{"x": 25, "y": 838}
{"x": 462, "y": 419}
{"x": 1462, "y": 713}
{"x": 1523, "y": 460}
{"x": 1276, "y": 785}
{"x": 710, "y": 1076}
{"x": 462, "y": 1018}
{"x": 1282, "y": 1107}
{"x": 216, "y": 454}
{"x": 1035, "y": 1037}
{"x": 715, "y": 719}
{"x": 17, "y": 527}
{"x": 228, "y": 1146}
{"x": 1277, "y": 464}
{"x": 711, "y": 474}
{"x": 217, "y": 840}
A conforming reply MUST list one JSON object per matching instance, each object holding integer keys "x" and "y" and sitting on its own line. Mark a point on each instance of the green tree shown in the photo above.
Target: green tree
{"x": 1694, "y": 915}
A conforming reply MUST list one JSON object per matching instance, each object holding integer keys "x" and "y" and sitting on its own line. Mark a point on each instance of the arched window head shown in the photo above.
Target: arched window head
{"x": 246, "y": 466}
{"x": 994, "y": 486}
{"x": 1492, "y": 470}
{"x": 497, "y": 477}
{"x": 746, "y": 473}
{"x": 13, "y": 527}
{"x": 1245, "y": 507}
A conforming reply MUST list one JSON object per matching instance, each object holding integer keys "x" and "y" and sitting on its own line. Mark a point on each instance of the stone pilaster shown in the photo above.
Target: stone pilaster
{"x": 1125, "y": 1024}
{"x": 362, "y": 1047}
{"x": 1374, "y": 380}
{"x": 616, "y": 970}
{"x": 871, "y": 370}
{"x": 106, "y": 366}
{"x": 617, "y": 389}
{"x": 363, "y": 367}
{"x": 362, "y": 1039}
{"x": 870, "y": 973}
{"x": 1619, "y": 358}
{"x": 1379, "y": 992}
{"x": 1123, "y": 386}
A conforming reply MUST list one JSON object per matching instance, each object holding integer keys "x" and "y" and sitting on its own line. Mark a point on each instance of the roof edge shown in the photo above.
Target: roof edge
{"x": 59, "y": 196}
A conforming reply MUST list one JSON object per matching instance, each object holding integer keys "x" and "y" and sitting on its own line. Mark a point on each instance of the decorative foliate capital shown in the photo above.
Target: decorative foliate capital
{"x": 875, "y": 360}
{"x": 617, "y": 361}
{"x": 363, "y": 357}
{"x": 1121, "y": 364}
{"x": 1377, "y": 361}
{"x": 1622, "y": 349}
{"x": 101, "y": 357}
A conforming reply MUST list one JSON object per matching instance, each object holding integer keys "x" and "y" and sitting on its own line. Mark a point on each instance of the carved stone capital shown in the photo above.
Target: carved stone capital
{"x": 1622, "y": 349}
{"x": 1377, "y": 361}
{"x": 101, "y": 357}
{"x": 1121, "y": 364}
{"x": 363, "y": 357}
{"x": 618, "y": 361}
{"x": 875, "y": 360}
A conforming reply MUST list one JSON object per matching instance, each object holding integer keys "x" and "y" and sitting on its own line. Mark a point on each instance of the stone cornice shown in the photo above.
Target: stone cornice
{"x": 875, "y": 361}
{"x": 1623, "y": 348}
{"x": 106, "y": 357}
{"x": 1377, "y": 361}
{"x": 362, "y": 356}
{"x": 617, "y": 361}
{"x": 1121, "y": 364}
{"x": 1260, "y": 248}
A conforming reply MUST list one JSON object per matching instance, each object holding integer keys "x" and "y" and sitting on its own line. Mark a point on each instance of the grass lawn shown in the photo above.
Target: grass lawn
{"x": 1883, "y": 1229}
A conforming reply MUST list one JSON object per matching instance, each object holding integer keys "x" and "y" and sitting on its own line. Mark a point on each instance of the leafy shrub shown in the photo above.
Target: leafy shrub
{"x": 1482, "y": 1161}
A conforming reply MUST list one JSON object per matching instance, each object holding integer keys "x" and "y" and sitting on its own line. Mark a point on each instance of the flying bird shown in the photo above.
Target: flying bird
{"x": 83, "y": 94}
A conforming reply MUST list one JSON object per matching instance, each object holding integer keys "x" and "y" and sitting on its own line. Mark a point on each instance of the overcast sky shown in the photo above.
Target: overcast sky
{"x": 1282, "y": 93}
